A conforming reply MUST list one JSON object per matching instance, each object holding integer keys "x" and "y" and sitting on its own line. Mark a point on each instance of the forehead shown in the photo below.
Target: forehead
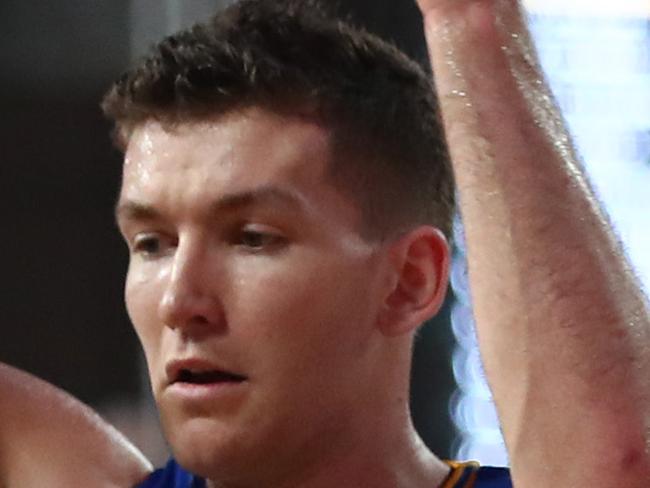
{"x": 239, "y": 152}
{"x": 253, "y": 136}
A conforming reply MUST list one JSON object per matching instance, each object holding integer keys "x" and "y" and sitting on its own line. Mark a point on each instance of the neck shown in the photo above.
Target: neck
{"x": 398, "y": 460}
{"x": 371, "y": 441}
{"x": 402, "y": 462}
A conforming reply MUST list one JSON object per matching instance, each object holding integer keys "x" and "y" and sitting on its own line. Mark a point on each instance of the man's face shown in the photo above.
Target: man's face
{"x": 250, "y": 288}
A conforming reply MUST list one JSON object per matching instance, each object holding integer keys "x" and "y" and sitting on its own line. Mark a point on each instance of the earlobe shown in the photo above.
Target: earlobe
{"x": 421, "y": 264}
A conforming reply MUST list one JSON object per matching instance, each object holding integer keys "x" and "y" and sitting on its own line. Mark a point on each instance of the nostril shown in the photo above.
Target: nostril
{"x": 192, "y": 311}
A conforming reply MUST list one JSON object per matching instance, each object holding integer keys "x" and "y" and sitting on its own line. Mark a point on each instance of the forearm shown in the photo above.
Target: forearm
{"x": 562, "y": 324}
{"x": 48, "y": 438}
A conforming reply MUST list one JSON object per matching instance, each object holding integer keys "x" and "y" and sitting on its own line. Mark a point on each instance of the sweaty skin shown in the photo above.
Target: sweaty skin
{"x": 246, "y": 258}
{"x": 49, "y": 439}
{"x": 563, "y": 326}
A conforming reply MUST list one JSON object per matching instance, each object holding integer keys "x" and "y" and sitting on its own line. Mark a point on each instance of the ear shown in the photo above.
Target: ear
{"x": 420, "y": 267}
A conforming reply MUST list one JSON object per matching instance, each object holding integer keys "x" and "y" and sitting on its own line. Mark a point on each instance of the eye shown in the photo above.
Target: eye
{"x": 259, "y": 238}
{"x": 150, "y": 245}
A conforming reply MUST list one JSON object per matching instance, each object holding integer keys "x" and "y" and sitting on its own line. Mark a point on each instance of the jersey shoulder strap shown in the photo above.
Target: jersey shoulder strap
{"x": 471, "y": 474}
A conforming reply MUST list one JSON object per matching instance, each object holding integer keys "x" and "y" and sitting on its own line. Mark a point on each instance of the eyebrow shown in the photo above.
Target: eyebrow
{"x": 133, "y": 210}
{"x": 265, "y": 195}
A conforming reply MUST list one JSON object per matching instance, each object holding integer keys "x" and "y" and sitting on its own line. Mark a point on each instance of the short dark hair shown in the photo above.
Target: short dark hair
{"x": 285, "y": 55}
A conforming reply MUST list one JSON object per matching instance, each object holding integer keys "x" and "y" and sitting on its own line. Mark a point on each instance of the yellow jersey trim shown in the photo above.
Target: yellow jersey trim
{"x": 462, "y": 475}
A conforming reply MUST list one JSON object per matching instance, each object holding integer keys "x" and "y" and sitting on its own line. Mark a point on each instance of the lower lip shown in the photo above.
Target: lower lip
{"x": 205, "y": 391}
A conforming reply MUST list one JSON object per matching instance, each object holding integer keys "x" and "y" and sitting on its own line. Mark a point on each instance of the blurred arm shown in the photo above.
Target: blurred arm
{"x": 47, "y": 438}
{"x": 563, "y": 327}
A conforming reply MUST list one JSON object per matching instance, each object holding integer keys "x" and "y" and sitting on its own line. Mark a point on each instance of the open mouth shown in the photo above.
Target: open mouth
{"x": 207, "y": 377}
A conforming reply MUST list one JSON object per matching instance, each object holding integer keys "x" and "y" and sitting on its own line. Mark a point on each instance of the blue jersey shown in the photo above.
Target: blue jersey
{"x": 172, "y": 476}
{"x": 472, "y": 475}
{"x": 462, "y": 475}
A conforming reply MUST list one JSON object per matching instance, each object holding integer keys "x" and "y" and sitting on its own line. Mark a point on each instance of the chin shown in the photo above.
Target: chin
{"x": 209, "y": 449}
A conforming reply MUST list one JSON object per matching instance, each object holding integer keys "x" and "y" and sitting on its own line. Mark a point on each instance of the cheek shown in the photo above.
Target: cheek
{"x": 299, "y": 308}
{"x": 142, "y": 293}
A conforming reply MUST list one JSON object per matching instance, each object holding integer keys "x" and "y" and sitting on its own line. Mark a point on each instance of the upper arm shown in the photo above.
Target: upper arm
{"x": 48, "y": 438}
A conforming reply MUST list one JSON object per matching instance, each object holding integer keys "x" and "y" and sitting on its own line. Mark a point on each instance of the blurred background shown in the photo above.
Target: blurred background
{"x": 62, "y": 310}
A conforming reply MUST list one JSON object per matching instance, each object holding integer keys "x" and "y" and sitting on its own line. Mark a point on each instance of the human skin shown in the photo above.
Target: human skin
{"x": 565, "y": 355}
{"x": 563, "y": 326}
{"x": 246, "y": 257}
{"x": 48, "y": 438}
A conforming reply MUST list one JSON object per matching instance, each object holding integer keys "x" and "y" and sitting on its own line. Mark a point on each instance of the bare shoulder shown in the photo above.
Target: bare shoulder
{"x": 48, "y": 438}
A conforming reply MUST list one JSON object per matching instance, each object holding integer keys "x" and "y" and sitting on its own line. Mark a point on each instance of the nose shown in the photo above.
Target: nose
{"x": 190, "y": 300}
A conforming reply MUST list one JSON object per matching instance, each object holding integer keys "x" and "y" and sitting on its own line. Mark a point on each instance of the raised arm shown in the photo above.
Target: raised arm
{"x": 49, "y": 439}
{"x": 563, "y": 327}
